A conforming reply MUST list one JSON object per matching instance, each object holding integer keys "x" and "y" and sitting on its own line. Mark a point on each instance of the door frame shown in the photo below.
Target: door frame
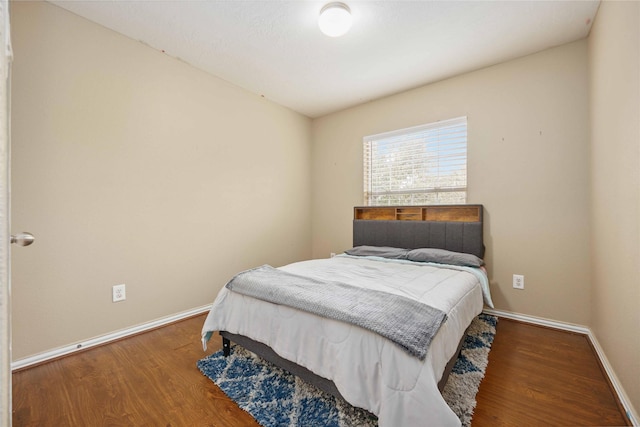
{"x": 5, "y": 216}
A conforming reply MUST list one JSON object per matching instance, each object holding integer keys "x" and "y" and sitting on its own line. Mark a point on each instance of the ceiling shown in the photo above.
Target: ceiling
{"x": 274, "y": 48}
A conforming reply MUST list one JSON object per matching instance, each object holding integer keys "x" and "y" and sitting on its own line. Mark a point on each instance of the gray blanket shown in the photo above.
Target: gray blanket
{"x": 409, "y": 323}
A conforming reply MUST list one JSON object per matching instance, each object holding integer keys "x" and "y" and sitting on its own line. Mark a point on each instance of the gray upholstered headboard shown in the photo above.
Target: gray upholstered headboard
{"x": 456, "y": 228}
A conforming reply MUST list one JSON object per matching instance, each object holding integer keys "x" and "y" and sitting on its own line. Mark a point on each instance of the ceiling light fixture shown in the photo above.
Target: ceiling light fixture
{"x": 335, "y": 19}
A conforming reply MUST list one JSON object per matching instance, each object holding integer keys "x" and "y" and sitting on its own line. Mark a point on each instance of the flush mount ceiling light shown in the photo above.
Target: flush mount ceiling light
{"x": 335, "y": 19}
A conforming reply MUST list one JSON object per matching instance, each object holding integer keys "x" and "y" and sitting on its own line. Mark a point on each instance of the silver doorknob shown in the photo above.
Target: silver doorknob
{"x": 22, "y": 239}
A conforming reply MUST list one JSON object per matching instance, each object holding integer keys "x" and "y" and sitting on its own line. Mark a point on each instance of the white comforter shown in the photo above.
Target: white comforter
{"x": 370, "y": 371}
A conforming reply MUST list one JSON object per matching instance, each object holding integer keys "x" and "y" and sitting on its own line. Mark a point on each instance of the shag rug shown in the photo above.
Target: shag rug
{"x": 277, "y": 398}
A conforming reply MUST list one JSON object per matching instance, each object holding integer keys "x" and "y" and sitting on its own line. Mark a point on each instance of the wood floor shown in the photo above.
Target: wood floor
{"x": 540, "y": 377}
{"x": 536, "y": 376}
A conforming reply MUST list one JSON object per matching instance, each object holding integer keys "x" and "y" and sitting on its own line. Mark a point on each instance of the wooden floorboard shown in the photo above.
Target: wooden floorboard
{"x": 536, "y": 377}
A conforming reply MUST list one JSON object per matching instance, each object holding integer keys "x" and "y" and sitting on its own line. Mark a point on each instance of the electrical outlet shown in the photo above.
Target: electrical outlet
{"x": 118, "y": 293}
{"x": 332, "y": 254}
{"x": 518, "y": 281}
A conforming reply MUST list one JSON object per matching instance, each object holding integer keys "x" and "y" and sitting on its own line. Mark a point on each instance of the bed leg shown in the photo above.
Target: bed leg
{"x": 226, "y": 347}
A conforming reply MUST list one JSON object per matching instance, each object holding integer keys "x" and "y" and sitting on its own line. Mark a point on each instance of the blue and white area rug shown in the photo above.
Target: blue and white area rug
{"x": 276, "y": 398}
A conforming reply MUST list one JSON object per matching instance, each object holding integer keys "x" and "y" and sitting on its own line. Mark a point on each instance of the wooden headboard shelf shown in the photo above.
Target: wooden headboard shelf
{"x": 452, "y": 213}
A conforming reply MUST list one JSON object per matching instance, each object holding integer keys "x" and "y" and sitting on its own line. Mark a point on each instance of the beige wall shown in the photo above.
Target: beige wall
{"x": 527, "y": 164}
{"x": 132, "y": 167}
{"x": 614, "y": 83}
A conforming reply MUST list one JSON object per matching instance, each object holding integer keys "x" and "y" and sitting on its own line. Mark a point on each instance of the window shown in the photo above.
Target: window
{"x": 422, "y": 165}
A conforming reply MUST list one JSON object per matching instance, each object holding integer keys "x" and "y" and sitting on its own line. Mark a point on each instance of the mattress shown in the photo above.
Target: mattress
{"x": 369, "y": 371}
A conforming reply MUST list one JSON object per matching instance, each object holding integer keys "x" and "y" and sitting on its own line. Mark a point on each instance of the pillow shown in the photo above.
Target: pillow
{"x": 443, "y": 256}
{"x": 381, "y": 251}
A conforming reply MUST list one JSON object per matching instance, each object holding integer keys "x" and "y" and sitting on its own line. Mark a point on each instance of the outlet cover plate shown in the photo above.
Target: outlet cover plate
{"x": 118, "y": 293}
{"x": 518, "y": 281}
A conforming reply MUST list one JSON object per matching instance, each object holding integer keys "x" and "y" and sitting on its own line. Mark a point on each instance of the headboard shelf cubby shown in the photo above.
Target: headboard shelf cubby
{"x": 452, "y": 213}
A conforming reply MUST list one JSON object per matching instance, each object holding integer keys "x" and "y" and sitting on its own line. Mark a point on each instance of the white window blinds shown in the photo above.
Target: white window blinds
{"x": 421, "y": 165}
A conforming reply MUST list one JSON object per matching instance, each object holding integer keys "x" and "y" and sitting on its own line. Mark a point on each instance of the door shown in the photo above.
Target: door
{"x": 5, "y": 264}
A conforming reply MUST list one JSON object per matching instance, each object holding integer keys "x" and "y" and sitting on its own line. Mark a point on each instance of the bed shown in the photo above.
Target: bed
{"x": 397, "y": 251}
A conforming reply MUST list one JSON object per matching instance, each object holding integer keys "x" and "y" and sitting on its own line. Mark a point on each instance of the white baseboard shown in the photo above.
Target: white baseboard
{"x": 104, "y": 339}
{"x": 619, "y": 390}
{"x": 571, "y": 327}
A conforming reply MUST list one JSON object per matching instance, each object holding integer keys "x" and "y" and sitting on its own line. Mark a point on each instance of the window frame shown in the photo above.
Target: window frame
{"x": 441, "y": 146}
